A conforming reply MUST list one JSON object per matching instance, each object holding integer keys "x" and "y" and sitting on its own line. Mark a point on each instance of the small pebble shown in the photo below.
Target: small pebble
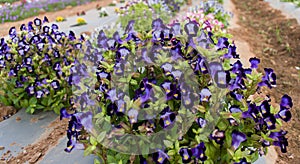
{"x": 2, "y": 147}
{"x": 18, "y": 118}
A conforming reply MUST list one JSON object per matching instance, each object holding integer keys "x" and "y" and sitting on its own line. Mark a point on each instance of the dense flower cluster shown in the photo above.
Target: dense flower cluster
{"x": 36, "y": 64}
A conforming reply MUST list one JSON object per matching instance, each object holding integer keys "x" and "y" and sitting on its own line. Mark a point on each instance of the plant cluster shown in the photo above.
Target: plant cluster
{"x": 37, "y": 65}
{"x": 172, "y": 94}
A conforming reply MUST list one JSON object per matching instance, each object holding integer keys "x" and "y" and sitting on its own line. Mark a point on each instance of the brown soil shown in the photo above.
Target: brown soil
{"x": 67, "y": 12}
{"x": 36, "y": 151}
{"x": 6, "y": 112}
{"x": 275, "y": 40}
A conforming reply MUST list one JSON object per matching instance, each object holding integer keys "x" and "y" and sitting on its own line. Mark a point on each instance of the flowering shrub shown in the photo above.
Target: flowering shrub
{"x": 171, "y": 95}
{"x": 36, "y": 65}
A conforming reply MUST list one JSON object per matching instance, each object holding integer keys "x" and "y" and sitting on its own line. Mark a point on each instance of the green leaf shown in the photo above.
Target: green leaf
{"x": 168, "y": 144}
{"x": 32, "y": 101}
{"x": 111, "y": 159}
{"x": 93, "y": 141}
{"x": 4, "y": 100}
{"x": 101, "y": 136}
{"x": 89, "y": 150}
{"x": 96, "y": 161}
{"x": 30, "y": 110}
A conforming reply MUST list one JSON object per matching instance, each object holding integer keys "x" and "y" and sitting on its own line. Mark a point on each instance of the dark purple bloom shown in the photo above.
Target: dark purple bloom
{"x": 23, "y": 27}
{"x": 64, "y": 113}
{"x": 103, "y": 75}
{"x": 269, "y": 79}
{"x": 177, "y": 74}
{"x": 167, "y": 68}
{"x": 231, "y": 52}
{"x": 157, "y": 24}
{"x": 254, "y": 62}
{"x": 201, "y": 122}
{"x": 56, "y": 66}
{"x": 235, "y": 109}
{"x": 72, "y": 35}
{"x": 186, "y": 155}
{"x": 176, "y": 29}
{"x": 218, "y": 136}
{"x": 265, "y": 108}
{"x": 12, "y": 32}
{"x": 205, "y": 95}
{"x": 39, "y": 94}
{"x": 12, "y": 72}
{"x": 167, "y": 117}
{"x": 237, "y": 139}
{"x": 45, "y": 20}
{"x": 286, "y": 102}
{"x": 280, "y": 140}
{"x": 270, "y": 122}
{"x": 237, "y": 67}
{"x": 236, "y": 96}
{"x": 214, "y": 67}
{"x": 222, "y": 43}
{"x": 30, "y": 90}
{"x": 121, "y": 107}
{"x": 285, "y": 115}
{"x": 122, "y": 53}
{"x": 37, "y": 22}
{"x": 133, "y": 115}
{"x": 29, "y": 69}
{"x": 2, "y": 63}
{"x": 191, "y": 28}
{"x": 199, "y": 152}
{"x": 252, "y": 112}
{"x": 55, "y": 85}
{"x": 160, "y": 157}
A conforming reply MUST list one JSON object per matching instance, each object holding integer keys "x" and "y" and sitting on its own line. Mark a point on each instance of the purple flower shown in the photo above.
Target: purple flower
{"x": 176, "y": 29}
{"x": 236, "y": 96}
{"x": 280, "y": 140}
{"x": 191, "y": 28}
{"x": 237, "y": 139}
{"x": 269, "y": 79}
{"x": 231, "y": 52}
{"x": 157, "y": 24}
{"x": 64, "y": 113}
{"x": 235, "y": 109}
{"x": 201, "y": 122}
{"x": 285, "y": 115}
{"x": 37, "y": 22}
{"x": 55, "y": 85}
{"x": 186, "y": 155}
{"x": 167, "y": 118}
{"x": 254, "y": 62}
{"x": 199, "y": 152}
{"x": 133, "y": 115}
{"x": 286, "y": 102}
{"x": 218, "y": 136}
{"x": 270, "y": 122}
{"x": 167, "y": 68}
{"x": 205, "y": 95}
{"x": 30, "y": 90}
{"x": 12, "y": 32}
{"x": 160, "y": 157}
{"x": 39, "y": 94}
{"x": 222, "y": 43}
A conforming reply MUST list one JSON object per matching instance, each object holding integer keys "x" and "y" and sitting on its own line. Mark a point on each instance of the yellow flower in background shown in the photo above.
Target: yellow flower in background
{"x": 117, "y": 10}
{"x": 60, "y": 19}
{"x": 81, "y": 21}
